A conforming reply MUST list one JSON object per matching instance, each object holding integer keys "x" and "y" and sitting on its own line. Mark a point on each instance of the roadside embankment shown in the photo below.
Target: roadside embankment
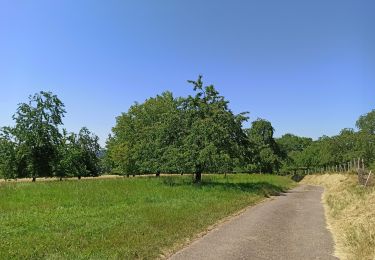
{"x": 350, "y": 212}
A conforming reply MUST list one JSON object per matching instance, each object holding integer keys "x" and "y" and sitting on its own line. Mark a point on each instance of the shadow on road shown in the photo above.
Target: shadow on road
{"x": 261, "y": 188}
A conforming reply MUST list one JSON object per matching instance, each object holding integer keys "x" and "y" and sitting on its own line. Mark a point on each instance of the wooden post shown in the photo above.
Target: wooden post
{"x": 363, "y": 164}
{"x": 368, "y": 177}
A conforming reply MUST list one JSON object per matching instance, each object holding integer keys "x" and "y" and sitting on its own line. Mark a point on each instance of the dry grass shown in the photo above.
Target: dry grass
{"x": 350, "y": 211}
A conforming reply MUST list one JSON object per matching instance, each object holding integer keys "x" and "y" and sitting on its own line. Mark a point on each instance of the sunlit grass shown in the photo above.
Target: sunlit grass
{"x": 350, "y": 213}
{"x": 119, "y": 218}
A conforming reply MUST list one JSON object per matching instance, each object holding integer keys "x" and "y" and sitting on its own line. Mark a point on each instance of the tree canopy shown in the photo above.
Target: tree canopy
{"x": 195, "y": 134}
{"x": 36, "y": 147}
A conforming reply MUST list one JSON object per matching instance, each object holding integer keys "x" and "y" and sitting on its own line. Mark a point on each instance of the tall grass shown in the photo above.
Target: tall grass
{"x": 350, "y": 212}
{"x": 119, "y": 218}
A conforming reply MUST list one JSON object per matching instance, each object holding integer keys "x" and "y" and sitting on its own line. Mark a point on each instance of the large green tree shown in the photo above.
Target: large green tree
{"x": 142, "y": 137}
{"x": 195, "y": 134}
{"x": 37, "y": 133}
{"x": 214, "y": 139}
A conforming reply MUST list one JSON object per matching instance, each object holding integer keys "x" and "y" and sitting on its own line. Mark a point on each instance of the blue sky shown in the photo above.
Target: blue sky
{"x": 307, "y": 66}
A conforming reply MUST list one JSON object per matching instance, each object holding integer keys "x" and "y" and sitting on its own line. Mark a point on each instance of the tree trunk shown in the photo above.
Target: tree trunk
{"x": 127, "y": 175}
{"x": 182, "y": 173}
{"x": 60, "y": 178}
{"x": 34, "y": 179}
{"x": 133, "y": 175}
{"x": 198, "y": 177}
{"x": 79, "y": 177}
{"x": 158, "y": 174}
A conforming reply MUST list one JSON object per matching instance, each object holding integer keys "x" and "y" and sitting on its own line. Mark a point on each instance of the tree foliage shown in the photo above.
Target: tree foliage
{"x": 166, "y": 134}
{"x": 265, "y": 150}
{"x": 195, "y": 134}
{"x": 347, "y": 146}
{"x": 36, "y": 147}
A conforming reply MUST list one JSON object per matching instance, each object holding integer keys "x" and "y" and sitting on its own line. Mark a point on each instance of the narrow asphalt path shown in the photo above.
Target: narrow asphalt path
{"x": 291, "y": 226}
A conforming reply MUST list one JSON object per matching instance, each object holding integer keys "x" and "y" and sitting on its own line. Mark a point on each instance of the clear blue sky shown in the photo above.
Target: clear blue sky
{"x": 307, "y": 66}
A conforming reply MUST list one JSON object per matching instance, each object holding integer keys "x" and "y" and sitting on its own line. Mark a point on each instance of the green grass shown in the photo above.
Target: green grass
{"x": 119, "y": 218}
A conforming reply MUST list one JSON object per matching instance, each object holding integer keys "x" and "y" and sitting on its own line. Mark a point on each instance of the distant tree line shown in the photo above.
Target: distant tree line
{"x": 37, "y": 147}
{"x": 166, "y": 134}
{"x": 303, "y": 153}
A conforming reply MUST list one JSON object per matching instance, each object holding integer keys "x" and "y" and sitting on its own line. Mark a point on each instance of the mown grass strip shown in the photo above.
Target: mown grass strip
{"x": 120, "y": 218}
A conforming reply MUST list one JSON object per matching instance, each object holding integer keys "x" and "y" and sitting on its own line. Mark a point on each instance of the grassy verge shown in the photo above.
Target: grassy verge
{"x": 350, "y": 213}
{"x": 119, "y": 218}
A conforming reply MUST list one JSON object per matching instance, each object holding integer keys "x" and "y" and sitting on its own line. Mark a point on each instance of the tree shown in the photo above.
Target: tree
{"x": 37, "y": 133}
{"x": 289, "y": 143}
{"x": 290, "y": 147}
{"x": 267, "y": 152}
{"x": 79, "y": 155}
{"x": 366, "y": 122}
{"x": 213, "y": 138}
{"x": 143, "y": 136}
{"x": 8, "y": 155}
{"x": 35, "y": 146}
{"x": 88, "y": 145}
{"x": 195, "y": 134}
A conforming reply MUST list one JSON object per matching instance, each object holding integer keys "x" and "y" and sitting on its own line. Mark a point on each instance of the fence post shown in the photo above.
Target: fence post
{"x": 359, "y": 163}
{"x": 368, "y": 177}
{"x": 363, "y": 164}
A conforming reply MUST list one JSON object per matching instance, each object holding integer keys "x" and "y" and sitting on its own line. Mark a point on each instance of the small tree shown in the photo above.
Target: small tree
{"x": 79, "y": 155}
{"x": 267, "y": 153}
{"x": 366, "y": 122}
{"x": 8, "y": 155}
{"x": 89, "y": 147}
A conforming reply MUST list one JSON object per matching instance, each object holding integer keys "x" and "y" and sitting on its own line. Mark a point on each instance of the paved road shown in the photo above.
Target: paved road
{"x": 291, "y": 226}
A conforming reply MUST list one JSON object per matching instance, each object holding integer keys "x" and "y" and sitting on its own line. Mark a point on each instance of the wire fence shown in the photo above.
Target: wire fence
{"x": 365, "y": 176}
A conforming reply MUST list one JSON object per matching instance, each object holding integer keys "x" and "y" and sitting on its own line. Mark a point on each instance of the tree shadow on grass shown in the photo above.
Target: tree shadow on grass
{"x": 259, "y": 188}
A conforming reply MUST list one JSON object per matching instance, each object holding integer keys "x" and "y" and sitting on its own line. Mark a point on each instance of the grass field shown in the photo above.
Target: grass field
{"x": 350, "y": 214}
{"x": 120, "y": 218}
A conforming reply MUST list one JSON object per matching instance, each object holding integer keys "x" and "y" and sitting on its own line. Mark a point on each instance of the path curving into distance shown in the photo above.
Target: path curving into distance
{"x": 291, "y": 226}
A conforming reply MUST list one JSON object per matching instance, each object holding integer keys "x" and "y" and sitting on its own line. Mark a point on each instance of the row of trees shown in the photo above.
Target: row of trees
{"x": 335, "y": 150}
{"x": 37, "y": 147}
{"x": 194, "y": 134}
{"x": 200, "y": 133}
